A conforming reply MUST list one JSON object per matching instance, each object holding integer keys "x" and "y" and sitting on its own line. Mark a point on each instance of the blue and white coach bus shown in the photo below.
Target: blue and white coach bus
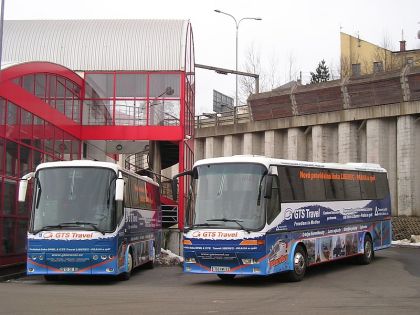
{"x": 254, "y": 215}
{"x": 91, "y": 218}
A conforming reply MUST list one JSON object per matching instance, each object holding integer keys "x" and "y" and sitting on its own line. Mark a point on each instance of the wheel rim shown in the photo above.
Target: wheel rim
{"x": 130, "y": 262}
{"x": 299, "y": 263}
{"x": 368, "y": 249}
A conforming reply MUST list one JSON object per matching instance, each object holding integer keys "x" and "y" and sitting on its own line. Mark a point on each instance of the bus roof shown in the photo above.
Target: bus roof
{"x": 267, "y": 161}
{"x": 89, "y": 163}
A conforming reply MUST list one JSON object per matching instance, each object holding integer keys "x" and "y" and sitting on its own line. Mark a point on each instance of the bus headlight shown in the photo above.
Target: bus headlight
{"x": 103, "y": 257}
{"x": 249, "y": 261}
{"x": 190, "y": 260}
{"x": 95, "y": 257}
{"x": 256, "y": 270}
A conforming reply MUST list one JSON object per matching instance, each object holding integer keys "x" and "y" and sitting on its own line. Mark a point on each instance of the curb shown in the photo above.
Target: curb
{"x": 12, "y": 276}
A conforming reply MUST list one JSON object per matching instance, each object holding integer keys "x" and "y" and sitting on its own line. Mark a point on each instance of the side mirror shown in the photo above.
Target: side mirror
{"x": 119, "y": 189}
{"x": 268, "y": 187}
{"x": 174, "y": 184}
{"x": 23, "y": 186}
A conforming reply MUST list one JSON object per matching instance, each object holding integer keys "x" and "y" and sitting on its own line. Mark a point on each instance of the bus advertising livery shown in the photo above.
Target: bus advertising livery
{"x": 90, "y": 218}
{"x": 251, "y": 215}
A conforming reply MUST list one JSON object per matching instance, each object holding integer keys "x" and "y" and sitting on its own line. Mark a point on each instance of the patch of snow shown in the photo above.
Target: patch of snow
{"x": 414, "y": 241}
{"x": 167, "y": 258}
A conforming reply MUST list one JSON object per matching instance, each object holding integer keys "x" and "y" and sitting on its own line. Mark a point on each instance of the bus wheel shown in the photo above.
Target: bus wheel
{"x": 299, "y": 265}
{"x": 226, "y": 277}
{"x": 151, "y": 263}
{"x": 126, "y": 275}
{"x": 367, "y": 256}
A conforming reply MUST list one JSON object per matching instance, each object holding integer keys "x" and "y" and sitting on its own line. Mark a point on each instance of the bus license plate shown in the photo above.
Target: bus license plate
{"x": 219, "y": 268}
{"x": 69, "y": 269}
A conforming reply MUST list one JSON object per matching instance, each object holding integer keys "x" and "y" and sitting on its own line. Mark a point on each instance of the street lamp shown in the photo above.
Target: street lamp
{"x": 237, "y": 28}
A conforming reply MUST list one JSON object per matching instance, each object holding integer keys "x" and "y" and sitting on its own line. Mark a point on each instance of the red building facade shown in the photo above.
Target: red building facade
{"x": 50, "y": 113}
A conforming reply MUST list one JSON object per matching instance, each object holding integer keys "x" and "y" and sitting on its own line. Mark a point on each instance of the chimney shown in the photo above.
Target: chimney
{"x": 402, "y": 45}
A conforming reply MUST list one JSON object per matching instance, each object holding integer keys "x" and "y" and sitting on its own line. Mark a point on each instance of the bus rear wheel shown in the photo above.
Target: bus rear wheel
{"x": 299, "y": 264}
{"x": 226, "y": 277}
{"x": 368, "y": 252}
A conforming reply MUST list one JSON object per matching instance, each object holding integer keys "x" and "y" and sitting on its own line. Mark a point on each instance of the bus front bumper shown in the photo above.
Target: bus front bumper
{"x": 71, "y": 264}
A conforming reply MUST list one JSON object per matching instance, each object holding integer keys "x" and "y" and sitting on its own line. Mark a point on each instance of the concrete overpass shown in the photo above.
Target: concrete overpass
{"x": 371, "y": 119}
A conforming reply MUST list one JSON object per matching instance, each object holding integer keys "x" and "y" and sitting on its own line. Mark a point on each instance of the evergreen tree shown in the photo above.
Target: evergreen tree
{"x": 322, "y": 73}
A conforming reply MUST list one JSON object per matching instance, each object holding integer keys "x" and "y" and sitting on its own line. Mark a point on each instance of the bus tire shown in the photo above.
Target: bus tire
{"x": 151, "y": 263}
{"x": 300, "y": 263}
{"x": 368, "y": 251}
{"x": 226, "y": 277}
{"x": 126, "y": 275}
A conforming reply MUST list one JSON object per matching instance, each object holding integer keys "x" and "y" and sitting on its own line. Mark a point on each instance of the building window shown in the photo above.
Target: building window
{"x": 355, "y": 69}
{"x": 378, "y": 66}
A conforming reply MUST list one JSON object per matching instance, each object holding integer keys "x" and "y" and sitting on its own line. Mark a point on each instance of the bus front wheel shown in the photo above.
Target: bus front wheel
{"x": 367, "y": 256}
{"x": 226, "y": 277}
{"x": 126, "y": 275}
{"x": 299, "y": 264}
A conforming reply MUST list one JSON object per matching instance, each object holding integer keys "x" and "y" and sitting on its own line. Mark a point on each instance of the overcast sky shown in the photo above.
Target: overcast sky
{"x": 303, "y": 31}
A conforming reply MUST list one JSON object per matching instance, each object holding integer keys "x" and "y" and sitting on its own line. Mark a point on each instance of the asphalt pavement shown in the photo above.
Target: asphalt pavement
{"x": 390, "y": 285}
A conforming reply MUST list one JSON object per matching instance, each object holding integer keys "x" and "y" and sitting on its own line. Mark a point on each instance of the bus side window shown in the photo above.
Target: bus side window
{"x": 286, "y": 193}
{"x": 273, "y": 208}
{"x": 382, "y": 188}
{"x": 367, "y": 185}
{"x": 334, "y": 188}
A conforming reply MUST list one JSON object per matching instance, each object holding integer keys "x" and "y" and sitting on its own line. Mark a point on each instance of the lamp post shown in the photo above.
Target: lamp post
{"x": 237, "y": 29}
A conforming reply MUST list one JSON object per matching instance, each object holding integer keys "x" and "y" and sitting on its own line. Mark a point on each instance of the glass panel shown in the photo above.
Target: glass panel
{"x": 22, "y": 227}
{"x": 10, "y": 188}
{"x": 37, "y": 158}
{"x": 8, "y": 236}
{"x": 49, "y": 138}
{"x": 171, "y": 111}
{"x": 12, "y": 128}
{"x": 164, "y": 85}
{"x": 24, "y": 208}
{"x": 71, "y": 195}
{"x": 11, "y": 158}
{"x": 1, "y": 159}
{"x": 131, "y": 85}
{"x": 38, "y": 133}
{"x": 2, "y": 116}
{"x": 75, "y": 150}
{"x": 28, "y": 83}
{"x": 25, "y": 160}
{"x": 59, "y": 105}
{"x": 382, "y": 188}
{"x": 40, "y": 80}
{"x": 26, "y": 127}
{"x": 76, "y": 110}
{"x": 99, "y": 85}
{"x": 59, "y": 146}
{"x": 52, "y": 87}
{"x": 98, "y": 112}
{"x": 130, "y": 112}
{"x": 230, "y": 196}
{"x": 61, "y": 84}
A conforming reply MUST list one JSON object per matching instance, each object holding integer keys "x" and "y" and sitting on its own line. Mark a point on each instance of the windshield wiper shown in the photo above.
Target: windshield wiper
{"x": 200, "y": 224}
{"x": 237, "y": 221}
{"x": 48, "y": 228}
{"x": 93, "y": 225}
{"x": 38, "y": 193}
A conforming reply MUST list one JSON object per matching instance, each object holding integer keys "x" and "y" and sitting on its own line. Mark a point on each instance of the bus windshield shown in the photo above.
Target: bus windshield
{"x": 229, "y": 196}
{"x": 74, "y": 197}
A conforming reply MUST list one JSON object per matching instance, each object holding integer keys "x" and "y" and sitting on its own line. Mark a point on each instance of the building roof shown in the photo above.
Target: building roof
{"x": 83, "y": 45}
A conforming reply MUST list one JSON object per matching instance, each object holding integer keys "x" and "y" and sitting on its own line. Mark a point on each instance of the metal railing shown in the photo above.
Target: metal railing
{"x": 240, "y": 114}
{"x": 169, "y": 215}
